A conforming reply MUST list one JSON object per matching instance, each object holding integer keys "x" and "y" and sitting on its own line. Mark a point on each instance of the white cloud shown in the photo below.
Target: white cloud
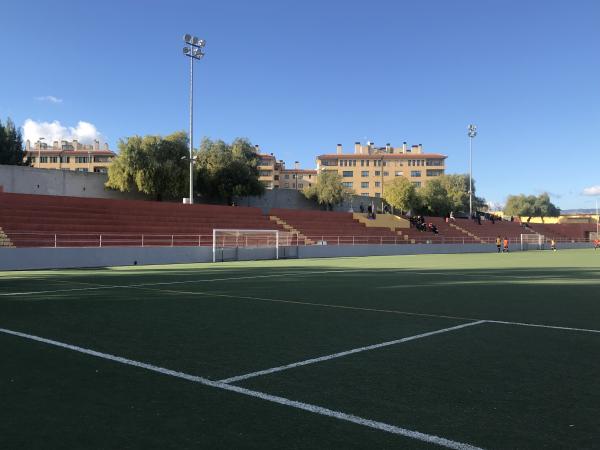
{"x": 592, "y": 190}
{"x": 49, "y": 98}
{"x": 84, "y": 132}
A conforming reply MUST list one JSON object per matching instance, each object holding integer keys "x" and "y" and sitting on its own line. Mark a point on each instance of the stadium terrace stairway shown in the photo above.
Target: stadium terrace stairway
{"x": 486, "y": 232}
{"x": 43, "y": 220}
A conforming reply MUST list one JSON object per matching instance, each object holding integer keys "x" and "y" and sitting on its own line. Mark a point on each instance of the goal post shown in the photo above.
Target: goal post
{"x": 227, "y": 243}
{"x": 532, "y": 241}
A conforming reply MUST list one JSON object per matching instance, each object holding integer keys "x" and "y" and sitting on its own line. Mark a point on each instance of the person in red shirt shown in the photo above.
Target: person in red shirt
{"x": 505, "y": 250}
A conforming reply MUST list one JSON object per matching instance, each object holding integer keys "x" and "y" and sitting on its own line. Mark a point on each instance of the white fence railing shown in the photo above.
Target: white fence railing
{"x": 48, "y": 239}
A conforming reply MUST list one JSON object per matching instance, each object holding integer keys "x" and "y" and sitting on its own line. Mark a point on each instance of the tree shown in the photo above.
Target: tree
{"x": 328, "y": 190}
{"x": 225, "y": 171}
{"x": 401, "y": 194}
{"x": 154, "y": 165}
{"x": 530, "y": 206}
{"x": 434, "y": 198}
{"x": 457, "y": 187}
{"x": 11, "y": 145}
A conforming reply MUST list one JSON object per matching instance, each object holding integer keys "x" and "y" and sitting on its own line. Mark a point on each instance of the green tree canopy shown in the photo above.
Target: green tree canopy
{"x": 457, "y": 187}
{"x": 530, "y": 206}
{"x": 328, "y": 190}
{"x": 401, "y": 194}
{"x": 434, "y": 198}
{"x": 225, "y": 171}
{"x": 154, "y": 165}
{"x": 11, "y": 145}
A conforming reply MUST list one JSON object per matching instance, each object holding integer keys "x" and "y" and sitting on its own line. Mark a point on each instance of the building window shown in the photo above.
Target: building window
{"x": 54, "y": 159}
{"x": 347, "y": 174}
{"x": 276, "y": 177}
{"x": 81, "y": 159}
{"x": 415, "y": 173}
{"x": 364, "y": 194}
{"x": 399, "y": 173}
{"x": 435, "y": 162}
{"x": 286, "y": 185}
{"x": 82, "y": 169}
{"x": 330, "y": 162}
{"x": 364, "y": 185}
{"x": 435, "y": 172}
{"x": 100, "y": 169}
{"x": 300, "y": 186}
{"x": 417, "y": 184}
{"x": 347, "y": 184}
{"x": 300, "y": 177}
{"x": 364, "y": 173}
{"x": 265, "y": 173}
{"x": 377, "y": 194}
{"x": 367, "y": 163}
{"x": 377, "y": 173}
{"x": 362, "y": 163}
{"x": 386, "y": 174}
{"x": 378, "y": 184}
{"x": 65, "y": 159}
{"x": 43, "y": 159}
{"x": 287, "y": 177}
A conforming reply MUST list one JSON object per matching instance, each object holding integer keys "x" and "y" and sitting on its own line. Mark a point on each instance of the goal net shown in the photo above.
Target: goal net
{"x": 234, "y": 244}
{"x": 532, "y": 242}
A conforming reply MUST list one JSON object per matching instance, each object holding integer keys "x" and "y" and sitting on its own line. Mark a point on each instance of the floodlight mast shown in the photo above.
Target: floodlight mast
{"x": 194, "y": 52}
{"x": 471, "y": 132}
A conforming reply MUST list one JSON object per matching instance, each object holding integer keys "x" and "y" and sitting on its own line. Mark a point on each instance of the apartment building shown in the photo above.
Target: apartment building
{"x": 70, "y": 155}
{"x": 368, "y": 169}
{"x": 274, "y": 175}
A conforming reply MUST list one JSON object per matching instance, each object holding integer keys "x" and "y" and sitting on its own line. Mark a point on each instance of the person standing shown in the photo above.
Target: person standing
{"x": 553, "y": 245}
{"x": 498, "y": 243}
{"x": 505, "y": 250}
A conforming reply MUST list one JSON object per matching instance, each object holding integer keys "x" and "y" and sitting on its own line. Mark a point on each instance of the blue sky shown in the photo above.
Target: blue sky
{"x": 300, "y": 77}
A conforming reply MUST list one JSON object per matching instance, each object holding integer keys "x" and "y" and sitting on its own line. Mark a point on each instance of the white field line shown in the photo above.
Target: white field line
{"x": 346, "y": 353}
{"x": 429, "y": 438}
{"x": 166, "y": 283}
{"x": 386, "y": 311}
{"x": 535, "y": 325}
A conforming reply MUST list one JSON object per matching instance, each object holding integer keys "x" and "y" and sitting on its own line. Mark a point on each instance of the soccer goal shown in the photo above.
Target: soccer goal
{"x": 234, "y": 244}
{"x": 532, "y": 242}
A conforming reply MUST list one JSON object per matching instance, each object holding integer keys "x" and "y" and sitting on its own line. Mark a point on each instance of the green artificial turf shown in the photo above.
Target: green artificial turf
{"x": 489, "y": 385}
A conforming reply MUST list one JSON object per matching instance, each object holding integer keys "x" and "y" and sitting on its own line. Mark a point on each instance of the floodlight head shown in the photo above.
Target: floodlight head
{"x": 201, "y": 43}
{"x": 187, "y": 38}
{"x": 472, "y": 130}
{"x": 195, "y": 40}
{"x": 186, "y": 50}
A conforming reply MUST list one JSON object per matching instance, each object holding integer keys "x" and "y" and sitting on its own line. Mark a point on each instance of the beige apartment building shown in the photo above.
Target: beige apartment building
{"x": 274, "y": 175}
{"x": 368, "y": 169}
{"x": 70, "y": 155}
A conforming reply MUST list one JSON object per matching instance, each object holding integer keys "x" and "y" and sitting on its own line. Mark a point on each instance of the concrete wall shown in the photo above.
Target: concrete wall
{"x": 54, "y": 258}
{"x": 29, "y": 180}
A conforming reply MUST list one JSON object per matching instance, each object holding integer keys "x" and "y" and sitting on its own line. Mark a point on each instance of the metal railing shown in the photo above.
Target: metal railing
{"x": 62, "y": 240}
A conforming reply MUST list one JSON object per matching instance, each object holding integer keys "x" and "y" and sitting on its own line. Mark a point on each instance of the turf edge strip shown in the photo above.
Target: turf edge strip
{"x": 256, "y": 394}
{"x": 346, "y": 353}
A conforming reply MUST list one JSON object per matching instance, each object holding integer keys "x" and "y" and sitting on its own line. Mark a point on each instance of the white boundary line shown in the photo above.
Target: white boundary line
{"x": 429, "y": 438}
{"x": 386, "y": 311}
{"x": 166, "y": 283}
{"x": 346, "y": 353}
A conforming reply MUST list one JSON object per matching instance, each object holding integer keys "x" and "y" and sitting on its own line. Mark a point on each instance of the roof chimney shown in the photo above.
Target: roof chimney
{"x": 420, "y": 148}
{"x": 257, "y": 148}
{"x": 96, "y": 144}
{"x": 388, "y": 148}
{"x": 338, "y": 149}
{"x": 414, "y": 149}
{"x": 404, "y": 147}
{"x": 357, "y": 148}
{"x": 297, "y": 165}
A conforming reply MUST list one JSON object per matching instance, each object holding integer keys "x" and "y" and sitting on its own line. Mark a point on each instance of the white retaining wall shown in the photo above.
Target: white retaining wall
{"x": 55, "y": 258}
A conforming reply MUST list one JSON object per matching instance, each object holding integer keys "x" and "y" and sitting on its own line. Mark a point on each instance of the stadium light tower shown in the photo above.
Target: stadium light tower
{"x": 195, "y": 51}
{"x": 472, "y": 132}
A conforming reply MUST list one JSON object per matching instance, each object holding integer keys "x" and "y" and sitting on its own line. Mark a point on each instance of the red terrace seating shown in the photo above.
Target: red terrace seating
{"x": 488, "y": 231}
{"x": 449, "y": 234}
{"x": 34, "y": 220}
{"x": 565, "y": 231}
{"x": 331, "y": 227}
